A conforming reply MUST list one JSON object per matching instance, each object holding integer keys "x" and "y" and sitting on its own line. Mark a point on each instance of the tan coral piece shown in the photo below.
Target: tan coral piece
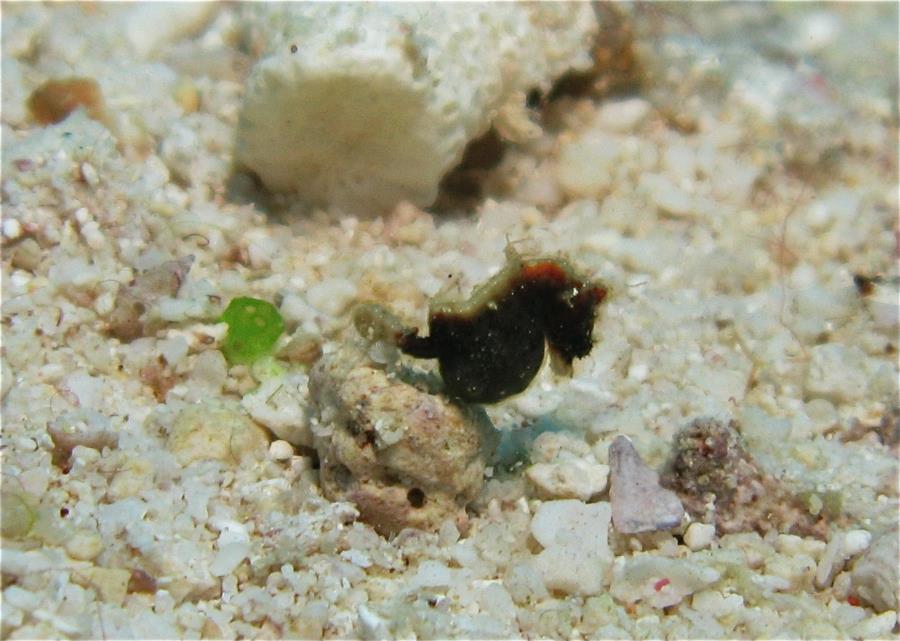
{"x": 404, "y": 457}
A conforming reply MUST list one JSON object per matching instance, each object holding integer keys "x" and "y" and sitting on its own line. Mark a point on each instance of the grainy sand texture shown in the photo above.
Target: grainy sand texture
{"x": 714, "y": 188}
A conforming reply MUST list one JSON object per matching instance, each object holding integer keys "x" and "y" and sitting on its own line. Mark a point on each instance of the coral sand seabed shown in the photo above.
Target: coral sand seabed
{"x": 728, "y": 172}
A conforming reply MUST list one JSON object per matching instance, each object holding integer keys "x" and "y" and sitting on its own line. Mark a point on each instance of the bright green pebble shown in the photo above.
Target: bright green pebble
{"x": 253, "y": 327}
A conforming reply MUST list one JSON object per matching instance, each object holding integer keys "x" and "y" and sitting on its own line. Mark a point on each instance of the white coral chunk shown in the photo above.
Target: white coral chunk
{"x": 362, "y": 105}
{"x": 576, "y": 553}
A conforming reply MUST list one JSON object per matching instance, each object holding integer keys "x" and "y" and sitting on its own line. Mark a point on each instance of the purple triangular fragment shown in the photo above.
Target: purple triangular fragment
{"x": 639, "y": 504}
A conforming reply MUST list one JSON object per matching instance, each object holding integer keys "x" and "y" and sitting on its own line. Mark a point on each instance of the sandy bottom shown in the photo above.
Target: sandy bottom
{"x": 734, "y": 184}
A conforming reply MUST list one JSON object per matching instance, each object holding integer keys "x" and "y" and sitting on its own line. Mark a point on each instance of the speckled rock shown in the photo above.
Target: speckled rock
{"x": 720, "y": 482}
{"x": 404, "y": 457}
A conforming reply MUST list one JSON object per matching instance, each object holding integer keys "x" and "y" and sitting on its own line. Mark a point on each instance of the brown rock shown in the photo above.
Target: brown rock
{"x": 54, "y": 100}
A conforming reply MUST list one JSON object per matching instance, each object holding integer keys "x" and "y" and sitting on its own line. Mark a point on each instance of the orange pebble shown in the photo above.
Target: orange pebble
{"x": 54, "y": 100}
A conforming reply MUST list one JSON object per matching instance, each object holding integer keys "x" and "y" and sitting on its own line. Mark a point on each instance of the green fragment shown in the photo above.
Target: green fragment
{"x": 253, "y": 328}
{"x": 267, "y": 367}
{"x": 814, "y": 503}
{"x": 829, "y": 503}
{"x": 833, "y": 502}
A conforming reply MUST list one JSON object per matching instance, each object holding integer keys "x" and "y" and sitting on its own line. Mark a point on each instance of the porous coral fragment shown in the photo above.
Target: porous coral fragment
{"x": 719, "y": 481}
{"x": 365, "y": 105}
{"x": 403, "y": 457}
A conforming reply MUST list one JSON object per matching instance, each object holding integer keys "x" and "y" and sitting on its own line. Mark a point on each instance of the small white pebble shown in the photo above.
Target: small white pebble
{"x": 667, "y": 197}
{"x": 25, "y": 443}
{"x": 105, "y": 303}
{"x": 22, "y": 598}
{"x": 856, "y": 541}
{"x": 448, "y": 534}
{"x": 172, "y": 349}
{"x": 280, "y": 450}
{"x": 163, "y": 602}
{"x": 89, "y": 174}
{"x": 331, "y": 296}
{"x": 12, "y": 228}
{"x": 638, "y": 371}
{"x": 699, "y": 535}
{"x": 568, "y": 479}
{"x": 622, "y": 115}
{"x": 10, "y": 614}
{"x": 840, "y": 588}
{"x": 715, "y": 603}
{"x": 300, "y": 464}
{"x": 357, "y": 557}
{"x": 84, "y": 546}
{"x": 63, "y": 625}
{"x": 771, "y": 582}
{"x": 875, "y": 627}
{"x": 35, "y": 480}
{"x": 20, "y": 280}
{"x": 792, "y": 545}
{"x": 228, "y": 558}
{"x": 371, "y": 625}
{"x": 93, "y": 236}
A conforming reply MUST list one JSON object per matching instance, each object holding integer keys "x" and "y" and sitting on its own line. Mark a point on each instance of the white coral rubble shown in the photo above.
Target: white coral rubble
{"x": 576, "y": 554}
{"x": 363, "y": 105}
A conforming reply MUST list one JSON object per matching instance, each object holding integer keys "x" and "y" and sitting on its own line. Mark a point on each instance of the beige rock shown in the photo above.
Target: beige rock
{"x": 622, "y": 116}
{"x": 389, "y": 85}
{"x": 209, "y": 431}
{"x": 135, "y": 475}
{"x": 404, "y": 457}
{"x": 280, "y": 450}
{"x": 568, "y": 479}
{"x": 84, "y": 546}
{"x": 699, "y": 535}
{"x": 111, "y": 583}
